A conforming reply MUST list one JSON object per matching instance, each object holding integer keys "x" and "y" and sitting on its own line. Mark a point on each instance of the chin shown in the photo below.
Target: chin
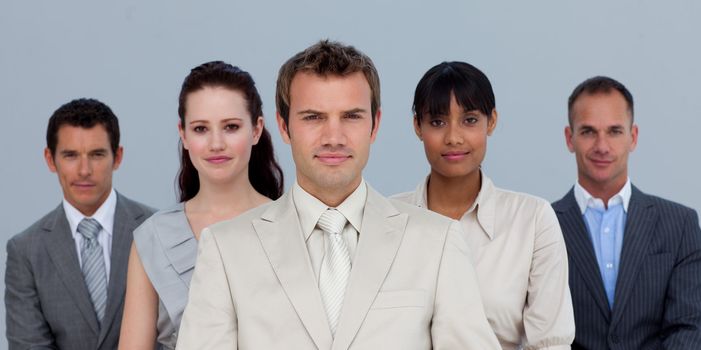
{"x": 454, "y": 173}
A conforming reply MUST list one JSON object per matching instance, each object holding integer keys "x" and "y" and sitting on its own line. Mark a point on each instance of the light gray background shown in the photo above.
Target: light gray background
{"x": 133, "y": 55}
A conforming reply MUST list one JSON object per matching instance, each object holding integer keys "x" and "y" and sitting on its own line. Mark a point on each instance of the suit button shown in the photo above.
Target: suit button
{"x": 615, "y": 339}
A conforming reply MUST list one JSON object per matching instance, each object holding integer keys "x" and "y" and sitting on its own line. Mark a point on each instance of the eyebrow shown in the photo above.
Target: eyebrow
{"x": 222, "y": 121}
{"x": 610, "y": 127}
{"x": 355, "y": 110}
{"x": 350, "y": 111}
{"x": 68, "y": 152}
{"x": 310, "y": 111}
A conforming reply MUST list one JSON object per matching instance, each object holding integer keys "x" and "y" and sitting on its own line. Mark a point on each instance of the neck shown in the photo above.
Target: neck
{"x": 225, "y": 199}
{"x": 333, "y": 196}
{"x": 452, "y": 196}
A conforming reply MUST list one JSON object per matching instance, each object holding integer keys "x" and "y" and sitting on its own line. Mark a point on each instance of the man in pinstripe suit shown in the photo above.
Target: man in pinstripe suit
{"x": 635, "y": 259}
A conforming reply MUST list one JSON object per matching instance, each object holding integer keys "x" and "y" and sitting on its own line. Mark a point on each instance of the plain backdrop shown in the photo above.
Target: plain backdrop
{"x": 133, "y": 55}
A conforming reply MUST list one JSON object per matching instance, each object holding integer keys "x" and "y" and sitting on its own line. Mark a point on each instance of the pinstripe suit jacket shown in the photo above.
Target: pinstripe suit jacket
{"x": 657, "y": 303}
{"x": 48, "y": 305}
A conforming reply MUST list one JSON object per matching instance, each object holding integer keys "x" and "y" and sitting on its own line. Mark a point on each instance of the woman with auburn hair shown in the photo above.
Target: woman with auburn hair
{"x": 227, "y": 167}
{"x": 515, "y": 238}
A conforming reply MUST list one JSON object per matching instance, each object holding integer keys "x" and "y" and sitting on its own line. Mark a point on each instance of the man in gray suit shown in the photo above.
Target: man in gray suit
{"x": 635, "y": 259}
{"x": 65, "y": 274}
{"x": 333, "y": 264}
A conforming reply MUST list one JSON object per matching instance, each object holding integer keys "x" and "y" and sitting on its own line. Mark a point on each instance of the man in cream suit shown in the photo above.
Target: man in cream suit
{"x": 333, "y": 264}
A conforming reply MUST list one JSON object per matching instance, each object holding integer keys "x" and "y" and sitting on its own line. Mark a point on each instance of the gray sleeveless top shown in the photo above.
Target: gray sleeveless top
{"x": 168, "y": 250}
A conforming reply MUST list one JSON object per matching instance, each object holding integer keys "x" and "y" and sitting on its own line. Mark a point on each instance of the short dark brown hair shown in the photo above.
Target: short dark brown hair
{"x": 599, "y": 85}
{"x": 84, "y": 113}
{"x": 326, "y": 58}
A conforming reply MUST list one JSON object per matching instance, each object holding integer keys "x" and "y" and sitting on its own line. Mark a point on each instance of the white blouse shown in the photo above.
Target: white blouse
{"x": 521, "y": 264}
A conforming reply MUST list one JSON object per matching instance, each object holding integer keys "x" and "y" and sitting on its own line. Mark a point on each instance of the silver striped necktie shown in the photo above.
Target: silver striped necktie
{"x": 93, "y": 266}
{"x": 336, "y": 265}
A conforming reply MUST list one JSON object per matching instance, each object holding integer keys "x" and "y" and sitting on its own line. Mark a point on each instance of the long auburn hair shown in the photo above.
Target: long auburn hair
{"x": 264, "y": 172}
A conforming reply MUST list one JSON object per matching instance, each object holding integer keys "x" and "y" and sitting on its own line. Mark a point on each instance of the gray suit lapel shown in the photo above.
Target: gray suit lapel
{"x": 581, "y": 250}
{"x": 382, "y": 232}
{"x": 61, "y": 249}
{"x": 280, "y": 234}
{"x": 638, "y": 233}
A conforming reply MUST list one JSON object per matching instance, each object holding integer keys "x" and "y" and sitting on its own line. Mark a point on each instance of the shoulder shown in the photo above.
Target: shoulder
{"x": 663, "y": 205}
{"x": 418, "y": 215}
{"x": 565, "y": 203}
{"x": 407, "y": 197}
{"x": 243, "y": 221}
{"x": 168, "y": 218}
{"x": 36, "y": 229}
{"x": 519, "y": 199}
{"x": 509, "y": 204}
{"x": 137, "y": 208}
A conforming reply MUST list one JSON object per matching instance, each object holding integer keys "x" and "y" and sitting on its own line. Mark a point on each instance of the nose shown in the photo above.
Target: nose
{"x": 453, "y": 135}
{"x": 84, "y": 168}
{"x": 216, "y": 142}
{"x": 601, "y": 145}
{"x": 333, "y": 133}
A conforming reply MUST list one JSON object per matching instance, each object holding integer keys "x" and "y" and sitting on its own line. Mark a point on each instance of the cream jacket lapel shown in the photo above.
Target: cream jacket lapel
{"x": 289, "y": 258}
{"x": 380, "y": 236}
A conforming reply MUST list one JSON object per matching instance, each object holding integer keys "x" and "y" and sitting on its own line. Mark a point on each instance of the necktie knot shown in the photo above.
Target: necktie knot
{"x": 89, "y": 228}
{"x": 332, "y": 221}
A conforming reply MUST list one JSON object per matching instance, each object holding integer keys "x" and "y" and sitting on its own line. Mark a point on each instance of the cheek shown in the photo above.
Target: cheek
{"x": 196, "y": 145}
{"x": 433, "y": 142}
{"x": 65, "y": 170}
{"x": 240, "y": 144}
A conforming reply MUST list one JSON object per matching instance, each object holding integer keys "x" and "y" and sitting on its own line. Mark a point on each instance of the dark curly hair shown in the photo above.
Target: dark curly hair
{"x": 84, "y": 113}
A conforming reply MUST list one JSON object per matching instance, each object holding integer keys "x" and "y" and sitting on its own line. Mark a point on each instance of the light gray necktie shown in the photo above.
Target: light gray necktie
{"x": 93, "y": 266}
{"x": 336, "y": 266}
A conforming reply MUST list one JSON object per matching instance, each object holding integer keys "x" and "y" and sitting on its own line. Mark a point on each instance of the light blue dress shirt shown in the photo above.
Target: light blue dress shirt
{"x": 606, "y": 225}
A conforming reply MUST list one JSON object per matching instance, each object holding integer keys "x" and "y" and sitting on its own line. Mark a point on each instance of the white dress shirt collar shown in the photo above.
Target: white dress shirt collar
{"x": 310, "y": 208}
{"x": 104, "y": 215}
{"x": 484, "y": 204}
{"x": 586, "y": 200}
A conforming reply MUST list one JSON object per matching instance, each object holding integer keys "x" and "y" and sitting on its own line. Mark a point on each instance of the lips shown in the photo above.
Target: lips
{"x": 332, "y": 158}
{"x": 218, "y": 159}
{"x": 83, "y": 185}
{"x": 601, "y": 162}
{"x": 455, "y": 155}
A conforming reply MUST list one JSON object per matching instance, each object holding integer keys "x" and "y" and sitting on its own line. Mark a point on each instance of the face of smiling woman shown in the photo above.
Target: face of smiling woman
{"x": 455, "y": 144}
{"x": 218, "y": 134}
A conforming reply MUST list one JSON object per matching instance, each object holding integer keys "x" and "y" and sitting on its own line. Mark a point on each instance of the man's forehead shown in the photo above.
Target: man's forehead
{"x": 313, "y": 91}
{"x": 71, "y": 136}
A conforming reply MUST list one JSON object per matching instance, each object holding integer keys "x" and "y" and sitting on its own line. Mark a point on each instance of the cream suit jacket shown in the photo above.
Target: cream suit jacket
{"x": 412, "y": 285}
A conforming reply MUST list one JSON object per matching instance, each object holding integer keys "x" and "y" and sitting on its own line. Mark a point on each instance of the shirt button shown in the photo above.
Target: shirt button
{"x": 609, "y": 266}
{"x": 607, "y": 230}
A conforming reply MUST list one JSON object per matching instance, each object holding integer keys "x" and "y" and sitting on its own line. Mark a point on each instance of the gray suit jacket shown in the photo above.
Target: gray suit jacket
{"x": 47, "y": 302}
{"x": 657, "y": 303}
{"x": 412, "y": 285}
